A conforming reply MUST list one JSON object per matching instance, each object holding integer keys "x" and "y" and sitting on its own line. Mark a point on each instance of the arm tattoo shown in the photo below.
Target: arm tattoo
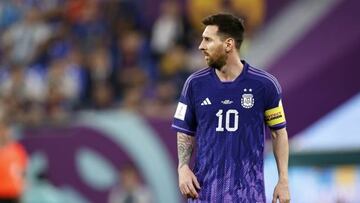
{"x": 185, "y": 147}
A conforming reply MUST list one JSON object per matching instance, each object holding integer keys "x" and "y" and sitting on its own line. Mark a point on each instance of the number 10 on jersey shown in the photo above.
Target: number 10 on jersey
{"x": 232, "y": 114}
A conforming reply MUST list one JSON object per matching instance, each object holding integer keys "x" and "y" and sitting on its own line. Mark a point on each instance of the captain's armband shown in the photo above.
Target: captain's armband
{"x": 275, "y": 116}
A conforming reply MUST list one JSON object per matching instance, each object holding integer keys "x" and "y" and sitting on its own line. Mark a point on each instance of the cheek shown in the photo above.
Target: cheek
{"x": 217, "y": 51}
{"x": 220, "y": 50}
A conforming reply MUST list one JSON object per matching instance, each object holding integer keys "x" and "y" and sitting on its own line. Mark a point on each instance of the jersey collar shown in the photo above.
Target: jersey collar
{"x": 237, "y": 79}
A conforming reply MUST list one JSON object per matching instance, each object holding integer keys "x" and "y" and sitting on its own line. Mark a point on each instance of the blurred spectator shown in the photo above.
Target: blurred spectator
{"x": 173, "y": 62}
{"x": 22, "y": 40}
{"x": 88, "y": 24}
{"x": 130, "y": 43}
{"x": 134, "y": 51}
{"x": 64, "y": 88}
{"x": 129, "y": 15}
{"x": 56, "y": 107}
{"x": 102, "y": 96}
{"x": 132, "y": 99}
{"x": 133, "y": 84}
{"x": 10, "y": 12}
{"x": 60, "y": 44}
{"x": 97, "y": 69}
{"x": 22, "y": 83}
{"x": 132, "y": 77}
{"x": 130, "y": 189}
{"x": 169, "y": 27}
{"x": 18, "y": 88}
{"x": 13, "y": 161}
{"x": 100, "y": 65}
{"x": 14, "y": 83}
{"x": 174, "y": 65}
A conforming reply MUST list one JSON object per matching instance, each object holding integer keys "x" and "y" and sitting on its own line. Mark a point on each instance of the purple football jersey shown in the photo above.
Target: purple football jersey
{"x": 228, "y": 121}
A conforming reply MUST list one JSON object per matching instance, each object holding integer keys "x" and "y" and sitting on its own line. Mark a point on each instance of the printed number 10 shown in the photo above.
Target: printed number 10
{"x": 229, "y": 128}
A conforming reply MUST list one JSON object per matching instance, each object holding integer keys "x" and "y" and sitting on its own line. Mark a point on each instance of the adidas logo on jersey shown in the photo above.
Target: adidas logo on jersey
{"x": 206, "y": 102}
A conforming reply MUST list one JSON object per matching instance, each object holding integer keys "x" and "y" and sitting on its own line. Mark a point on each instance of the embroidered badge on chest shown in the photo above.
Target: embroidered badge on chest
{"x": 247, "y": 99}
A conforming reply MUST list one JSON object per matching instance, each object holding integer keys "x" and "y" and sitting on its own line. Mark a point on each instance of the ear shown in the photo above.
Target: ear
{"x": 229, "y": 44}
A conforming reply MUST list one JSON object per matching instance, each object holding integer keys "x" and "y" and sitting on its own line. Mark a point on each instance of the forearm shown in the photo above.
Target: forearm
{"x": 281, "y": 152}
{"x": 185, "y": 145}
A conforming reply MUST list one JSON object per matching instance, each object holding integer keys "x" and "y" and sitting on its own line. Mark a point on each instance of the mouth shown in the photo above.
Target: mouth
{"x": 206, "y": 56}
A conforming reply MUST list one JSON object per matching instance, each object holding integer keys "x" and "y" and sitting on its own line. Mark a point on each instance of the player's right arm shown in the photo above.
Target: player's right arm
{"x": 188, "y": 182}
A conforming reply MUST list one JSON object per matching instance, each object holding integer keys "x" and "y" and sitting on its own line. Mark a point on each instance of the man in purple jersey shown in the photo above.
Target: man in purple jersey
{"x": 223, "y": 111}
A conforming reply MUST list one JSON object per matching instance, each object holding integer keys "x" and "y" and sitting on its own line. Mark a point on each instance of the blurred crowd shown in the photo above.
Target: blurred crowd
{"x": 61, "y": 56}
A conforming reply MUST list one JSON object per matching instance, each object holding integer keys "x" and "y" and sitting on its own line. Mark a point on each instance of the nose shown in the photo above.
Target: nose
{"x": 201, "y": 46}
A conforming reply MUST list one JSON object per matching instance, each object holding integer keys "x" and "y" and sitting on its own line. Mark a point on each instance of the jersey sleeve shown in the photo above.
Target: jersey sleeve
{"x": 274, "y": 112}
{"x": 184, "y": 119}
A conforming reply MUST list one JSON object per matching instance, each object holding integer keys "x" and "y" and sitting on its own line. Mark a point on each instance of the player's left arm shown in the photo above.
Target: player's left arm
{"x": 281, "y": 152}
{"x": 275, "y": 120}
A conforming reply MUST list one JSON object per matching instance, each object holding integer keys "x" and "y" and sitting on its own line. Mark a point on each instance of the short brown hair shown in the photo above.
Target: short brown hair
{"x": 228, "y": 25}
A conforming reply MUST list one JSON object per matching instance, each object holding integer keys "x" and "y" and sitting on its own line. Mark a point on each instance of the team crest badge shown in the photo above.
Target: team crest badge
{"x": 247, "y": 100}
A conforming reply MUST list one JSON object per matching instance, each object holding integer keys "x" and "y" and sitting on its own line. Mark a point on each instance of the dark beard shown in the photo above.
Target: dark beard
{"x": 219, "y": 63}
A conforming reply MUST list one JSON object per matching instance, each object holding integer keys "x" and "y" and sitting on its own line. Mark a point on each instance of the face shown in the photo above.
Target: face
{"x": 213, "y": 47}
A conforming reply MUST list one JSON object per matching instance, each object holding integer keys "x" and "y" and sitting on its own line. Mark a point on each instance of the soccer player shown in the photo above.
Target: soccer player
{"x": 222, "y": 112}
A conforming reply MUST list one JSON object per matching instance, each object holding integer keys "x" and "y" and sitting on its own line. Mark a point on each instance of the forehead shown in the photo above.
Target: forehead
{"x": 210, "y": 31}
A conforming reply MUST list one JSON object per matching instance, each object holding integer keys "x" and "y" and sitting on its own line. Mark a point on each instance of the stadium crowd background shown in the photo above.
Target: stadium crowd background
{"x": 58, "y": 57}
{"x": 62, "y": 57}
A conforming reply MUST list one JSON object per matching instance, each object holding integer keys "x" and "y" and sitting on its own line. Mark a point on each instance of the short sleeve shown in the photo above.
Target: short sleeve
{"x": 184, "y": 119}
{"x": 274, "y": 112}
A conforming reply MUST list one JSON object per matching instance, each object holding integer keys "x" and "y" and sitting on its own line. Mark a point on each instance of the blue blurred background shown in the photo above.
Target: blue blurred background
{"x": 89, "y": 88}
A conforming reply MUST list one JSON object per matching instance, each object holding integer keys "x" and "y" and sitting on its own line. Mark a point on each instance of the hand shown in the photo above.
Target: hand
{"x": 281, "y": 192}
{"x": 188, "y": 182}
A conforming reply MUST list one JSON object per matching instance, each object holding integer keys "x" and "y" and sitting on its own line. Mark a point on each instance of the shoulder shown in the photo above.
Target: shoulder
{"x": 196, "y": 76}
{"x": 267, "y": 79}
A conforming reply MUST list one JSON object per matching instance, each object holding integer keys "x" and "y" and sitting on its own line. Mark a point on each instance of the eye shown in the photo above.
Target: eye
{"x": 206, "y": 39}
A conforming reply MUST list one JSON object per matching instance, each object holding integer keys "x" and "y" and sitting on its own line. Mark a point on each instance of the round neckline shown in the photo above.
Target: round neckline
{"x": 238, "y": 78}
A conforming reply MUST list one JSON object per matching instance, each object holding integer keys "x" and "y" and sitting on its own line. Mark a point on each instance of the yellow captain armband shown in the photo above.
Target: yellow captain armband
{"x": 275, "y": 115}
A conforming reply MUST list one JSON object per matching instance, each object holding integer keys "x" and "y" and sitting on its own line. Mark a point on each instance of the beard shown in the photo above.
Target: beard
{"x": 218, "y": 62}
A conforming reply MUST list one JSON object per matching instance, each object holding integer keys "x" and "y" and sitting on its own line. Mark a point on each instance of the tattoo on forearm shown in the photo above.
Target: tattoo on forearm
{"x": 185, "y": 148}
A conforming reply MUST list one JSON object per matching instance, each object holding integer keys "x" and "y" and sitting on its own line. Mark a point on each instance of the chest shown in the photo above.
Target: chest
{"x": 229, "y": 103}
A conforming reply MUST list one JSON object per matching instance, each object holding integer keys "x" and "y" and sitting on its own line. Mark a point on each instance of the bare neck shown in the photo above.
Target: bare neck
{"x": 231, "y": 70}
